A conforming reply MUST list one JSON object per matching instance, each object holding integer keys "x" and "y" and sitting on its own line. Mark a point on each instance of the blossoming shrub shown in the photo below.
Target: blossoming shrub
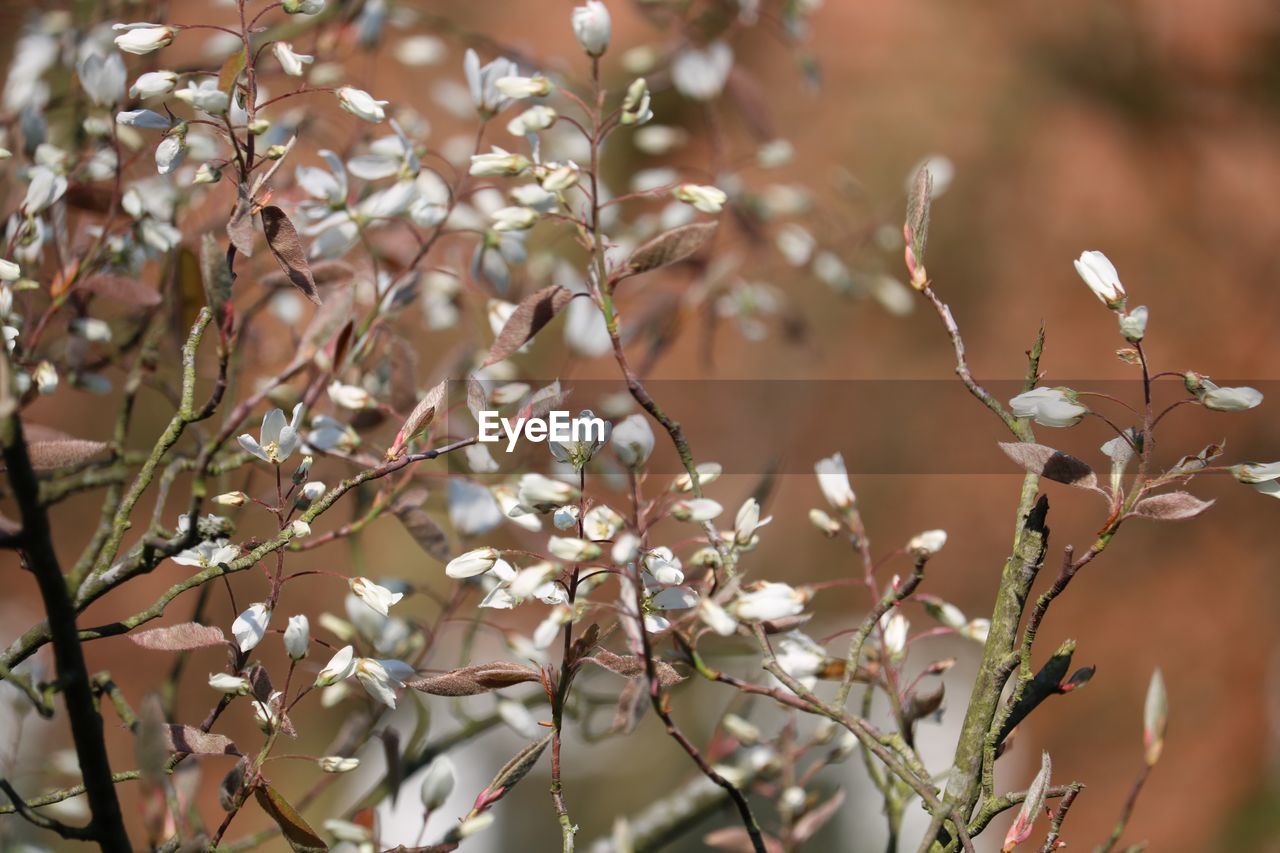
{"x": 161, "y": 213}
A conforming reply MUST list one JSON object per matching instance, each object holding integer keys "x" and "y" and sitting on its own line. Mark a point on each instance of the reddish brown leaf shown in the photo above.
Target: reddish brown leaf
{"x": 297, "y": 832}
{"x": 631, "y": 666}
{"x": 1051, "y": 464}
{"x": 192, "y": 741}
{"x": 1173, "y": 506}
{"x": 421, "y": 526}
{"x": 670, "y": 247}
{"x": 283, "y": 241}
{"x": 123, "y": 289}
{"x": 534, "y": 311}
{"x": 180, "y": 638}
{"x": 240, "y": 225}
{"x": 475, "y": 679}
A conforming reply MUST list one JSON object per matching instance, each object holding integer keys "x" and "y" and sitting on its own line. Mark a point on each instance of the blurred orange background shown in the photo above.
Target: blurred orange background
{"x": 1147, "y": 130}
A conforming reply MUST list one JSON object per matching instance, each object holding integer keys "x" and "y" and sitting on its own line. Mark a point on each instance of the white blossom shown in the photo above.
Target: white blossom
{"x": 361, "y": 104}
{"x": 141, "y": 39}
{"x": 338, "y": 764}
{"x": 633, "y": 441}
{"x": 472, "y": 563}
{"x": 205, "y": 96}
{"x": 1100, "y": 274}
{"x": 516, "y": 88}
{"x": 277, "y": 440}
{"x": 437, "y": 782}
{"x": 234, "y": 685}
{"x": 381, "y": 678}
{"x": 250, "y": 626}
{"x": 833, "y": 480}
{"x": 1052, "y": 407}
{"x": 1228, "y": 399}
{"x": 716, "y": 618}
{"x": 696, "y": 510}
{"x": 767, "y": 601}
{"x": 291, "y": 62}
{"x": 341, "y": 665}
{"x": 1133, "y": 325}
{"x": 482, "y": 81}
{"x": 701, "y": 72}
{"x": 572, "y": 550}
{"x": 498, "y": 162}
{"x": 379, "y": 598}
{"x": 153, "y": 84}
{"x": 704, "y": 198}
{"x": 928, "y": 543}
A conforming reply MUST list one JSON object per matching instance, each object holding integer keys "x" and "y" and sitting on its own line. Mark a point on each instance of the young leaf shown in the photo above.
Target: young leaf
{"x": 632, "y": 666}
{"x": 669, "y": 247}
{"x": 240, "y": 225}
{"x": 1172, "y": 506}
{"x": 475, "y": 679}
{"x": 60, "y": 453}
{"x": 296, "y": 831}
{"x": 1020, "y": 831}
{"x": 534, "y": 311}
{"x": 190, "y": 740}
{"x": 180, "y": 638}
{"x": 284, "y": 244}
{"x": 814, "y": 819}
{"x": 477, "y": 399}
{"x": 215, "y": 275}
{"x": 421, "y": 526}
{"x": 419, "y": 418}
{"x": 1051, "y": 464}
{"x": 510, "y": 774}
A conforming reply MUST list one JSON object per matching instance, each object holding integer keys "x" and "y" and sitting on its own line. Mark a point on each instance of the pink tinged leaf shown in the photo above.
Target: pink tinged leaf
{"x": 736, "y": 840}
{"x": 814, "y": 819}
{"x": 419, "y": 418}
{"x": 669, "y": 247}
{"x": 63, "y": 452}
{"x": 190, "y": 740}
{"x": 180, "y": 638}
{"x": 1173, "y": 506}
{"x": 283, "y": 241}
{"x": 1051, "y": 464}
{"x": 534, "y": 311}
{"x": 1020, "y": 831}
{"x": 511, "y": 773}
{"x": 472, "y": 680}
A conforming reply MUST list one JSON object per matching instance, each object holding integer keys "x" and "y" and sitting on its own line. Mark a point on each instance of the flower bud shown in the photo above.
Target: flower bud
{"x": 141, "y": 39}
{"x": 524, "y": 87}
{"x": 437, "y": 783}
{"x": 1100, "y": 274}
{"x": 234, "y": 685}
{"x": 338, "y": 764}
{"x": 361, "y": 104}
{"x": 472, "y": 563}
{"x": 1134, "y": 324}
{"x": 297, "y": 637}
{"x": 707, "y": 199}
{"x": 231, "y": 499}
{"x": 592, "y": 27}
{"x": 207, "y": 174}
{"x": 633, "y": 441}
